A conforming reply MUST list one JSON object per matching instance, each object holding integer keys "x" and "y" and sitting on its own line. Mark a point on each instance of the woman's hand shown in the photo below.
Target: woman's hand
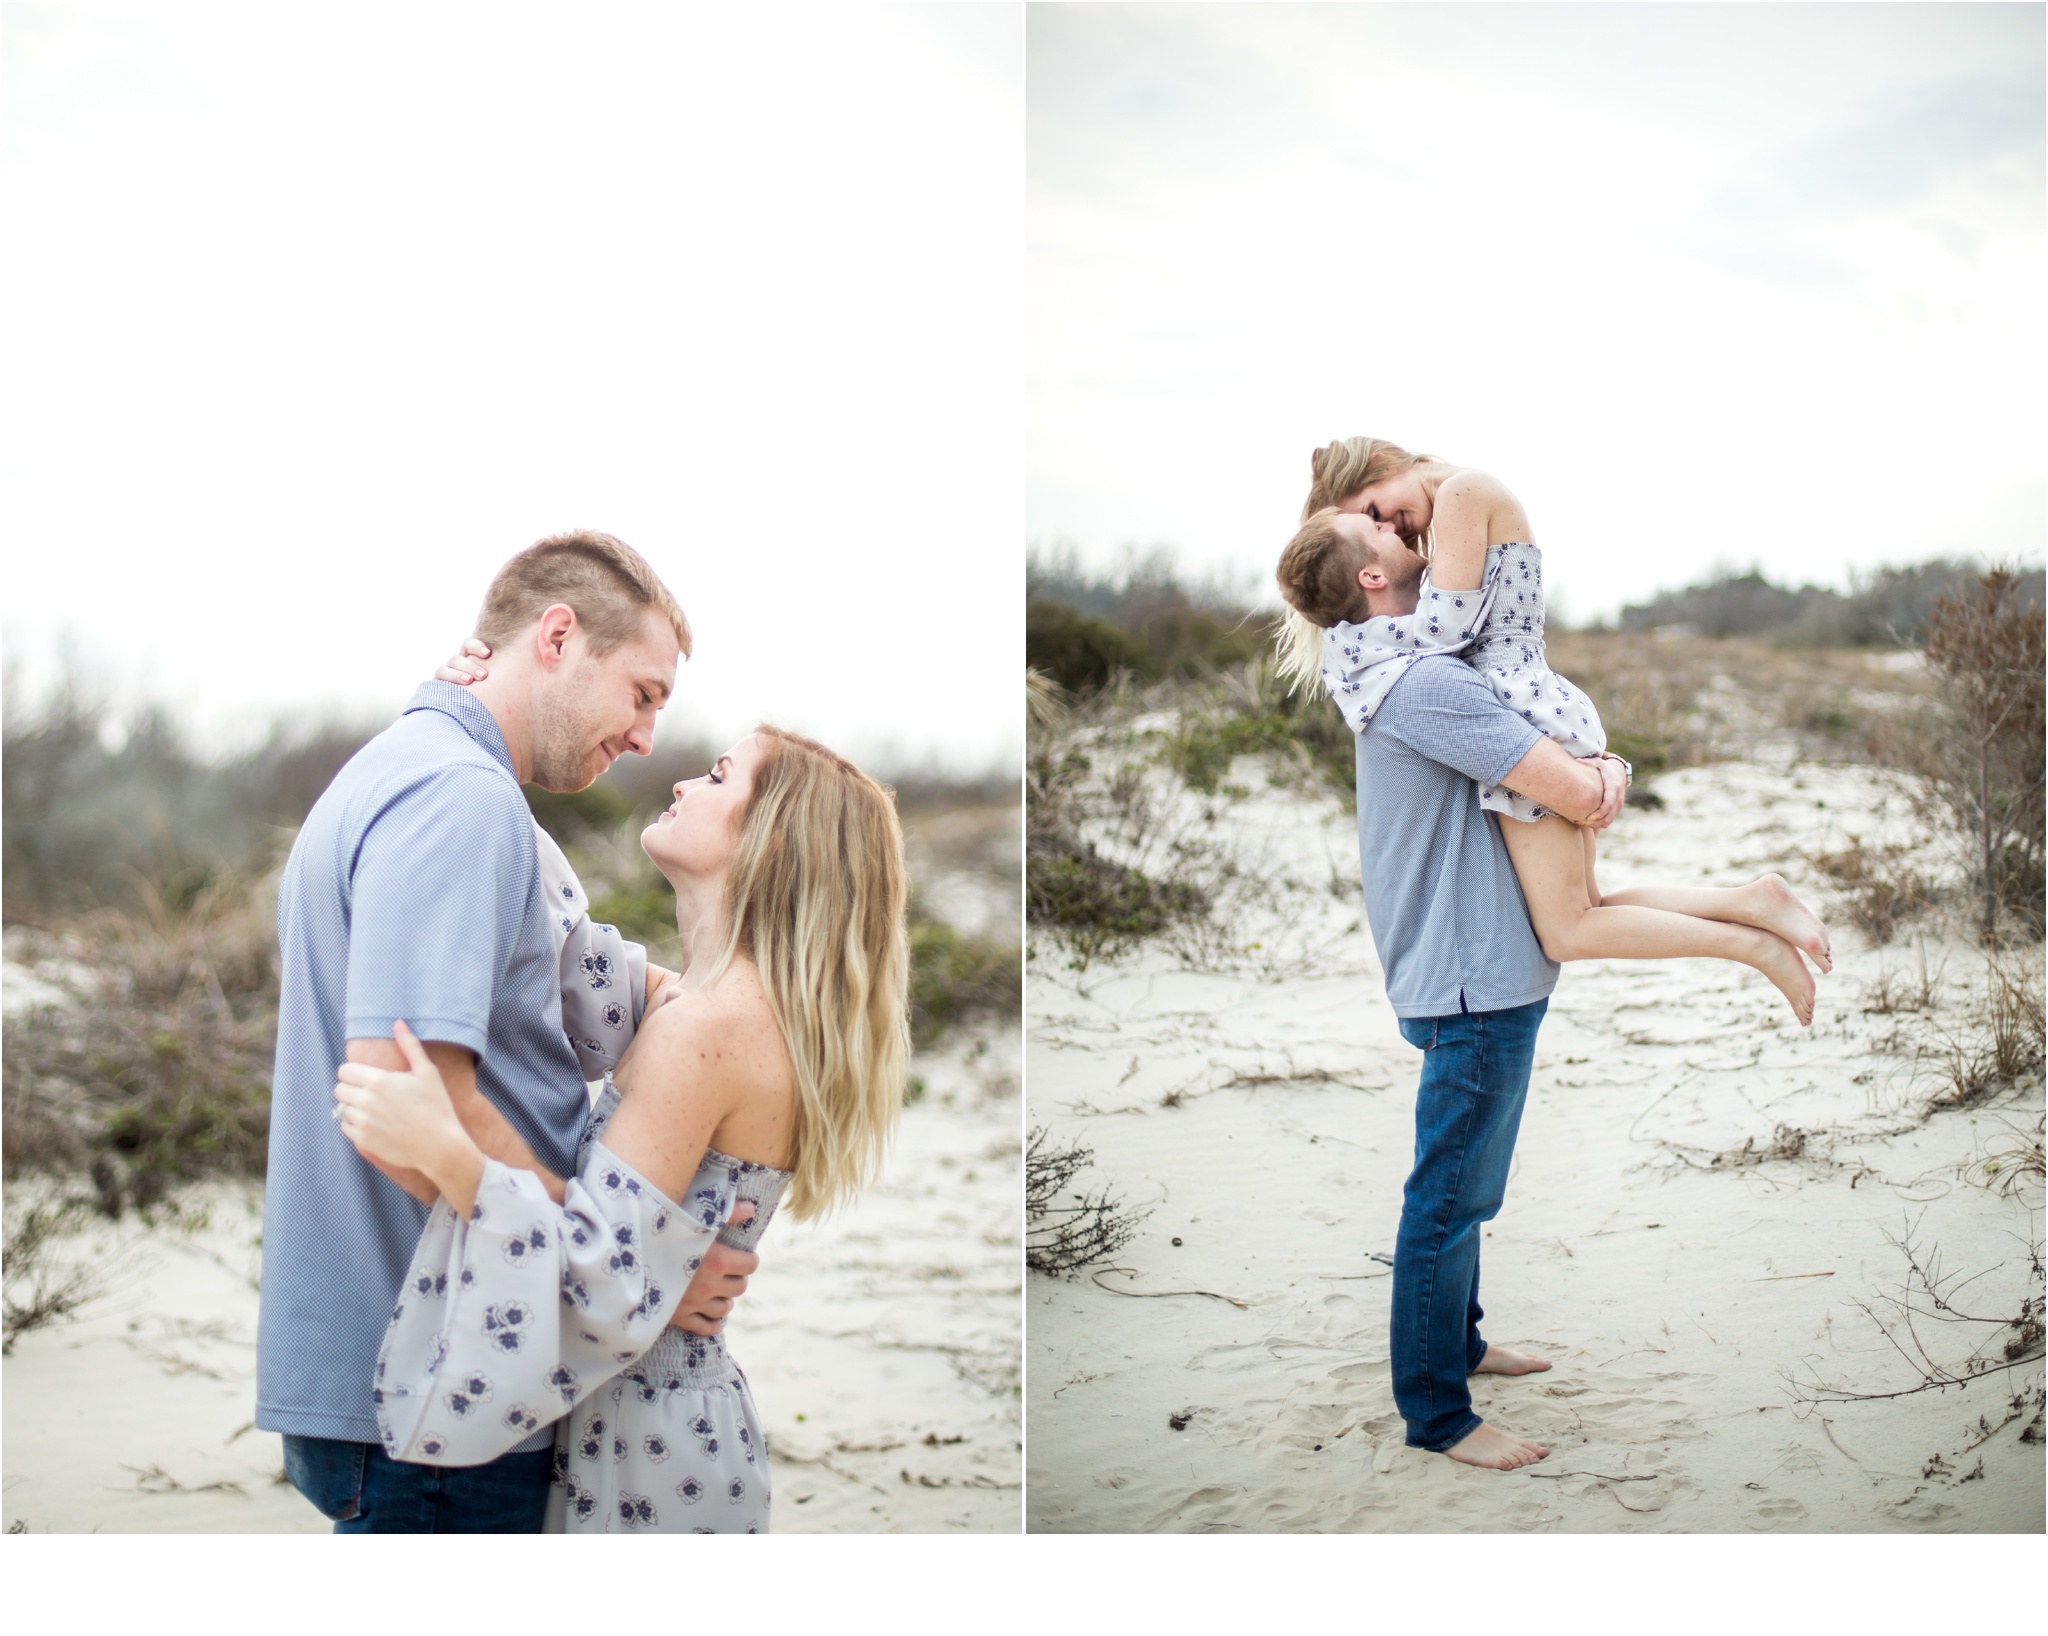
{"x": 404, "y": 1119}
{"x": 463, "y": 668}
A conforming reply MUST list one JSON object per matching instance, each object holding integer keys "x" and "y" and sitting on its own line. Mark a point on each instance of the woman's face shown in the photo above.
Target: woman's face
{"x": 1362, "y": 527}
{"x": 701, "y": 829}
{"x": 1400, "y": 501}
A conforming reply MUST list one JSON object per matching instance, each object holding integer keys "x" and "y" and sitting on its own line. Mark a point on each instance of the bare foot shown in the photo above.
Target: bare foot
{"x": 1501, "y": 1360}
{"x": 1496, "y": 1450}
{"x": 1777, "y": 910}
{"x": 1780, "y": 962}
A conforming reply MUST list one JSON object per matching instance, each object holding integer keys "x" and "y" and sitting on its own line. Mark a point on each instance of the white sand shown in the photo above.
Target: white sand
{"x": 882, "y": 1347}
{"x": 1682, "y": 1306}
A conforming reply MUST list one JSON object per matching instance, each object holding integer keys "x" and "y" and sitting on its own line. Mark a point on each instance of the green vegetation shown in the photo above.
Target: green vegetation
{"x": 140, "y": 886}
{"x": 956, "y": 979}
{"x": 1097, "y": 905}
{"x": 1140, "y": 667}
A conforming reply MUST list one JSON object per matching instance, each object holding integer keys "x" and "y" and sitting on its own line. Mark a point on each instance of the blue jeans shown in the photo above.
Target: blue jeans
{"x": 364, "y": 1491}
{"x": 1468, "y": 1109}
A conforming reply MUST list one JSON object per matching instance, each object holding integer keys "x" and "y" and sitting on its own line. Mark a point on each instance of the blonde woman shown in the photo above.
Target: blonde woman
{"x": 1364, "y": 609}
{"x": 773, "y": 1067}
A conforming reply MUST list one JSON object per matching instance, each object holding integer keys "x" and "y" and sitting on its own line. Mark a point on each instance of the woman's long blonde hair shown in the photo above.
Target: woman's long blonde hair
{"x": 1337, "y": 471}
{"x": 818, "y": 898}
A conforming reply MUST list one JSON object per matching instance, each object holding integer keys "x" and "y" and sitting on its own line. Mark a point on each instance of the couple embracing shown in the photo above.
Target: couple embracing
{"x": 1416, "y": 595}
{"x": 489, "y": 1305}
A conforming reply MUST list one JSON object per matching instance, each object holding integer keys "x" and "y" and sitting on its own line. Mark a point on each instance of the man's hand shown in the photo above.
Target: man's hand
{"x": 1614, "y": 791}
{"x": 1576, "y": 789}
{"x": 721, "y": 1280}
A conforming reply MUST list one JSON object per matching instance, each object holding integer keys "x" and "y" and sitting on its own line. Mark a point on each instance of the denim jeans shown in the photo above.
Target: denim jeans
{"x": 1468, "y": 1109}
{"x": 364, "y": 1491}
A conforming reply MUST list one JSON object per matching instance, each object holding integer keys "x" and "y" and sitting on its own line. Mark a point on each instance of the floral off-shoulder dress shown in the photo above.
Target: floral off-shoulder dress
{"x": 1498, "y": 629}
{"x": 530, "y": 1312}
{"x": 603, "y": 977}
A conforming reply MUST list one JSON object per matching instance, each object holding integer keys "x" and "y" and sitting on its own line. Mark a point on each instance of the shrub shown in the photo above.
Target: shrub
{"x": 1068, "y": 1230}
{"x": 1077, "y": 650}
{"x": 1985, "y": 766}
{"x": 955, "y": 978}
{"x": 1881, "y": 888}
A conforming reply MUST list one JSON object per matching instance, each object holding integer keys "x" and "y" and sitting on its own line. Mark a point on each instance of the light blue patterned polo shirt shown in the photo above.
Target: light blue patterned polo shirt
{"x": 1448, "y": 917}
{"x": 413, "y": 891}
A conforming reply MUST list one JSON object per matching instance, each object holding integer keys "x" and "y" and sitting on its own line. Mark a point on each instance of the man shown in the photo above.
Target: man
{"x": 413, "y": 893}
{"x": 1468, "y": 982}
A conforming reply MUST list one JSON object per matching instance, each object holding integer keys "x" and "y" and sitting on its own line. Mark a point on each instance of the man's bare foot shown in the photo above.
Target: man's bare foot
{"x": 1501, "y": 1360}
{"x": 1496, "y": 1450}
{"x": 1775, "y": 909}
{"x": 1780, "y": 962}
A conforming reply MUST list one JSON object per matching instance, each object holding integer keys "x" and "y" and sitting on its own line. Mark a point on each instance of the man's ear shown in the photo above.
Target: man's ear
{"x": 557, "y": 625}
{"x": 1371, "y": 578}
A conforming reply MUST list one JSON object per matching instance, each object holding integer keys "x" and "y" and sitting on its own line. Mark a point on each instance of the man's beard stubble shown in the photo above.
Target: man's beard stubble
{"x": 566, "y": 736}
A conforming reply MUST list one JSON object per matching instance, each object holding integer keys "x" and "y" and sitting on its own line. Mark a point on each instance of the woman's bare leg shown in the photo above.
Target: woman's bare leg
{"x": 1551, "y": 861}
{"x": 1766, "y": 903}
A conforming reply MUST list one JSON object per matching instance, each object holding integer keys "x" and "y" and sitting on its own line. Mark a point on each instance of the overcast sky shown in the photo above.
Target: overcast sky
{"x": 312, "y": 315}
{"x": 1703, "y": 284}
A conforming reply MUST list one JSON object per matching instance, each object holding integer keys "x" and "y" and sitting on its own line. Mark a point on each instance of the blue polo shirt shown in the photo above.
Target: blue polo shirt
{"x": 1448, "y": 917}
{"x": 413, "y": 891}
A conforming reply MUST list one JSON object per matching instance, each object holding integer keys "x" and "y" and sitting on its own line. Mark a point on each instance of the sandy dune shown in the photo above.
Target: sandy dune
{"x": 882, "y": 1347}
{"x": 1260, "y": 1108}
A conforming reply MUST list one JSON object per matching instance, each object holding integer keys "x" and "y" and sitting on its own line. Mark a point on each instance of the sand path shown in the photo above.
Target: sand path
{"x": 881, "y": 1345}
{"x": 1263, "y": 1113}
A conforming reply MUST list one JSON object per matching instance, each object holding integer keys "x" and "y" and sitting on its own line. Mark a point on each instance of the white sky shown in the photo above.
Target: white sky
{"x": 1719, "y": 284}
{"x": 314, "y": 314}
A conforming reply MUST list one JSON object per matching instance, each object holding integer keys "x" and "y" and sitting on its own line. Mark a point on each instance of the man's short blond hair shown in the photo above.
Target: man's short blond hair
{"x": 606, "y": 581}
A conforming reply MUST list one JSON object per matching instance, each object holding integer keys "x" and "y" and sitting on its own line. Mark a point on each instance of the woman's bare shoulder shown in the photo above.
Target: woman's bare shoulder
{"x": 725, "y": 1034}
{"x": 1471, "y": 486}
{"x": 718, "y": 1023}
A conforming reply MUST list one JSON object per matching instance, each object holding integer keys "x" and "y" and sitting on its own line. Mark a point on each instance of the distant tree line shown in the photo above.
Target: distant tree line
{"x": 1889, "y": 607}
{"x": 1082, "y": 626}
{"x": 107, "y": 809}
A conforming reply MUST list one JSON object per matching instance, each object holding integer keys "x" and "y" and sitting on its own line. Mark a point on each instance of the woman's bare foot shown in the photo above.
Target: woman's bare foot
{"x": 1780, "y": 962}
{"x": 1501, "y": 1360}
{"x": 1496, "y": 1450}
{"x": 1775, "y": 909}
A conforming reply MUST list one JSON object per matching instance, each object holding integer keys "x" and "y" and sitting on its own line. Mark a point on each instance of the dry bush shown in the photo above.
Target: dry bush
{"x": 1068, "y": 1230}
{"x": 45, "y": 1293}
{"x": 1893, "y": 992}
{"x": 1983, "y": 753}
{"x": 1881, "y": 889}
{"x": 1941, "y": 1341}
{"x": 2001, "y": 1045}
{"x": 1671, "y": 699}
{"x": 162, "y": 1072}
{"x": 2013, "y": 1160}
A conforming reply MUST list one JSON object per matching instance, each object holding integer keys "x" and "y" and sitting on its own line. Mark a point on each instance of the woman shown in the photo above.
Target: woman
{"x": 1482, "y": 597}
{"x": 773, "y": 1064}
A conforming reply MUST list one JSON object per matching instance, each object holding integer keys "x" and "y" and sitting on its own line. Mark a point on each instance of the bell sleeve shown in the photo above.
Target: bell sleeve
{"x": 510, "y": 1318}
{"x": 603, "y": 977}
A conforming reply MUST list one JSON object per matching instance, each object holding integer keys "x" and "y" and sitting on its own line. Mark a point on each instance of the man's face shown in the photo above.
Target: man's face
{"x": 1391, "y": 559}
{"x": 591, "y": 711}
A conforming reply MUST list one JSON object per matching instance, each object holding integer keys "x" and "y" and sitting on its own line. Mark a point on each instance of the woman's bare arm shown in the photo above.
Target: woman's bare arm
{"x": 675, "y": 1088}
{"x": 438, "y": 1160}
{"x": 489, "y": 1129}
{"x": 1473, "y": 510}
